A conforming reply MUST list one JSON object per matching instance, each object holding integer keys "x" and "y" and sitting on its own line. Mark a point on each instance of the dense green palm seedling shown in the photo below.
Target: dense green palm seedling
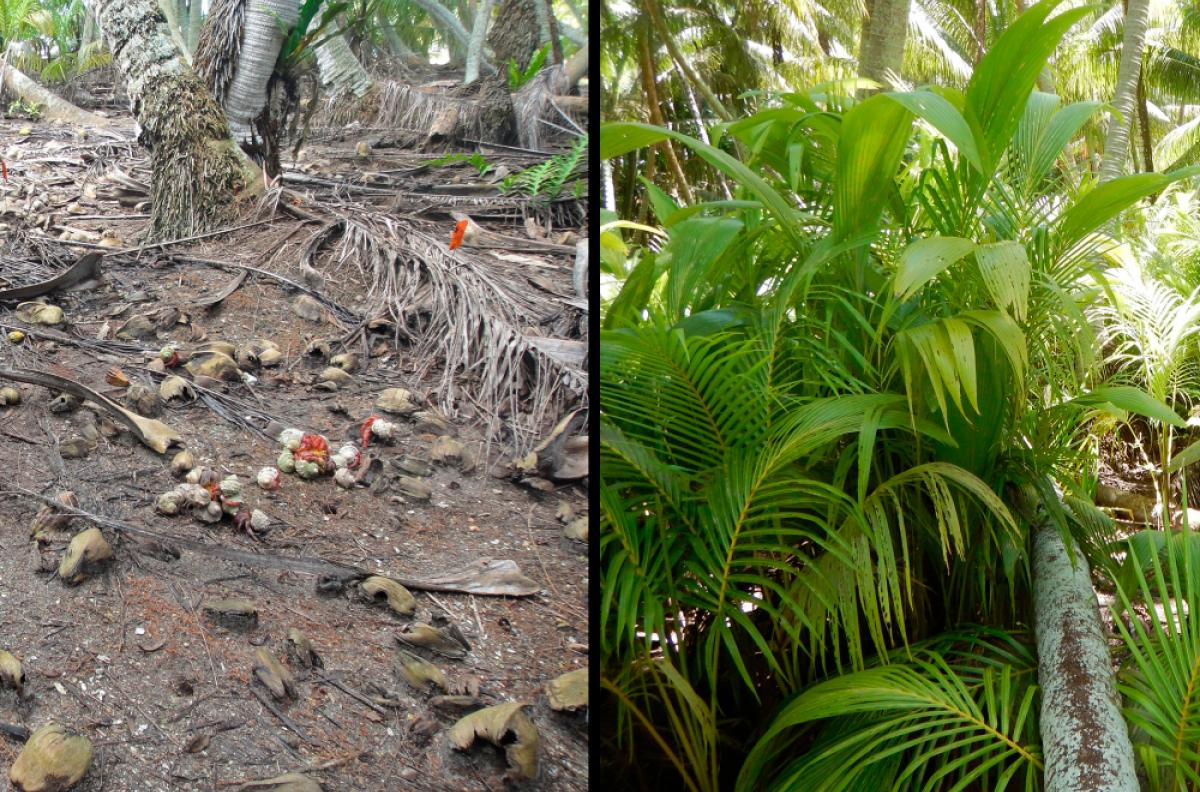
{"x": 833, "y": 404}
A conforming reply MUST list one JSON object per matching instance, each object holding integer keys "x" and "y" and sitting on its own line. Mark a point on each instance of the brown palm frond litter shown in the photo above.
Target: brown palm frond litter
{"x": 472, "y": 322}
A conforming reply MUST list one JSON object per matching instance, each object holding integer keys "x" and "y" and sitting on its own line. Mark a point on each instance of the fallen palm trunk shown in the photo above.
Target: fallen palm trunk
{"x": 52, "y": 107}
{"x": 152, "y": 433}
{"x": 1084, "y": 737}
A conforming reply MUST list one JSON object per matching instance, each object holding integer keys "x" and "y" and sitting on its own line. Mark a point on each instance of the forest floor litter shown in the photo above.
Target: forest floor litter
{"x": 387, "y": 597}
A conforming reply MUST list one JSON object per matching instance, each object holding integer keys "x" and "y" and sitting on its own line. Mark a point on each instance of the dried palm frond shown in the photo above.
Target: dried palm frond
{"x": 471, "y": 323}
{"x": 220, "y": 45}
{"x": 535, "y": 102}
{"x": 486, "y": 116}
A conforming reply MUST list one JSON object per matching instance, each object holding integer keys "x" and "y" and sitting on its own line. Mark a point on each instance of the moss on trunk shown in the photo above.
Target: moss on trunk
{"x": 196, "y": 171}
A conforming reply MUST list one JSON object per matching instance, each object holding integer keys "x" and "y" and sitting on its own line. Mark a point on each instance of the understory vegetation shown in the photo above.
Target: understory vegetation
{"x": 892, "y": 331}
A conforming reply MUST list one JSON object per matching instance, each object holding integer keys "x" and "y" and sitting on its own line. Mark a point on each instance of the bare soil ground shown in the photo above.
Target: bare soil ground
{"x": 128, "y": 657}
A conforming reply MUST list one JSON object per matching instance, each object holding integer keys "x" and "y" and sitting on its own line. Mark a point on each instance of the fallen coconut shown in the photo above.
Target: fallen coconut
{"x": 446, "y": 639}
{"x": 274, "y": 675}
{"x": 182, "y": 462}
{"x": 506, "y": 726}
{"x": 414, "y": 487}
{"x": 39, "y": 313}
{"x": 12, "y": 675}
{"x": 446, "y": 449}
{"x": 63, "y": 403}
{"x": 247, "y": 357}
{"x": 398, "y": 598}
{"x": 87, "y": 551}
{"x": 568, "y": 691}
{"x": 418, "y": 672}
{"x": 577, "y": 529}
{"x": 53, "y": 760}
{"x": 217, "y": 365}
{"x": 307, "y": 308}
{"x": 300, "y": 650}
{"x": 347, "y": 361}
{"x": 137, "y": 328}
{"x": 176, "y": 388}
{"x": 335, "y": 375}
{"x": 143, "y": 400}
{"x": 397, "y": 401}
{"x": 288, "y": 782}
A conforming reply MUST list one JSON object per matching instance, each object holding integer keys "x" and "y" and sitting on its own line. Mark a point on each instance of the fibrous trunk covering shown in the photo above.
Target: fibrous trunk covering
{"x": 196, "y": 173}
{"x": 1084, "y": 737}
{"x": 515, "y": 36}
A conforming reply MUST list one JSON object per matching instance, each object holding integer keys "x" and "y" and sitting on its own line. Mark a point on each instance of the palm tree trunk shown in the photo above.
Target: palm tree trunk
{"x": 196, "y": 169}
{"x": 340, "y": 71}
{"x": 483, "y": 16}
{"x": 266, "y": 25}
{"x": 685, "y": 66}
{"x": 1144, "y": 127}
{"x": 1116, "y": 141}
{"x": 517, "y": 37}
{"x": 649, "y": 78}
{"x": 883, "y": 37}
{"x": 980, "y": 29}
{"x": 194, "y": 24}
{"x": 1084, "y": 737}
{"x": 170, "y": 11}
{"x": 445, "y": 19}
{"x": 394, "y": 42}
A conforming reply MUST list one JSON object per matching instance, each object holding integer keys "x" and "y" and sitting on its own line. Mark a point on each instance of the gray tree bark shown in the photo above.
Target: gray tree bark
{"x": 195, "y": 22}
{"x": 1133, "y": 42}
{"x": 171, "y": 13}
{"x": 1085, "y": 741}
{"x": 340, "y": 71}
{"x": 266, "y": 26}
{"x": 195, "y": 166}
{"x": 483, "y": 16}
{"x": 883, "y": 37}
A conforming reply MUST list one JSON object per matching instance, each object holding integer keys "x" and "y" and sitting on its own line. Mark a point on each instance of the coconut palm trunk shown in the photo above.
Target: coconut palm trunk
{"x": 446, "y": 20}
{"x": 518, "y": 37}
{"x": 475, "y": 47}
{"x": 266, "y": 26}
{"x": 884, "y": 33}
{"x": 195, "y": 22}
{"x": 340, "y": 71}
{"x": 1133, "y": 43}
{"x": 394, "y": 42}
{"x": 196, "y": 169}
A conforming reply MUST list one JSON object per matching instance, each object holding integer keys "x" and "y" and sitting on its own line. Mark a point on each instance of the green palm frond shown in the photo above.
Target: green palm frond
{"x": 961, "y": 713}
{"x": 1160, "y": 674}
